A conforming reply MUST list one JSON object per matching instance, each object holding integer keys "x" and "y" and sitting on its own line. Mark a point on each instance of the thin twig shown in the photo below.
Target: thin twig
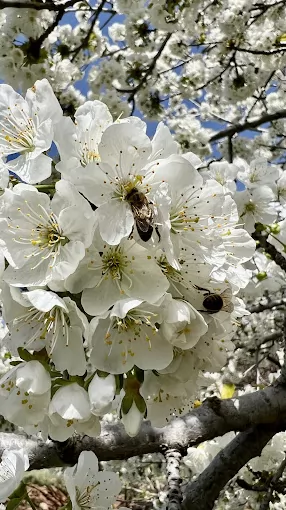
{"x": 85, "y": 40}
{"x": 265, "y": 503}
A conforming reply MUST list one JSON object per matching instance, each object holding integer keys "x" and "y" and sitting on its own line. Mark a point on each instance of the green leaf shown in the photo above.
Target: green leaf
{"x": 126, "y": 403}
{"x": 139, "y": 374}
{"x": 20, "y": 492}
{"x": 119, "y": 383}
{"x": 140, "y": 403}
{"x": 25, "y": 355}
{"x": 14, "y": 503}
{"x": 100, "y": 373}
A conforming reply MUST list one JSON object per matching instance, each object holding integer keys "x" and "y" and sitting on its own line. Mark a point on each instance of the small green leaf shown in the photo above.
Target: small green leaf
{"x": 139, "y": 374}
{"x": 140, "y": 403}
{"x": 14, "y": 503}
{"x": 126, "y": 403}
{"x": 25, "y": 355}
{"x": 20, "y": 492}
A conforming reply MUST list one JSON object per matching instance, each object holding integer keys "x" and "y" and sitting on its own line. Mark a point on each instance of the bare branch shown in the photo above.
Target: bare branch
{"x": 85, "y": 41}
{"x": 212, "y": 419}
{"x": 149, "y": 71}
{"x": 239, "y": 128}
{"x": 260, "y": 52}
{"x": 260, "y": 307}
{"x": 269, "y": 248}
{"x": 38, "y": 6}
{"x": 265, "y": 503}
{"x": 202, "y": 493}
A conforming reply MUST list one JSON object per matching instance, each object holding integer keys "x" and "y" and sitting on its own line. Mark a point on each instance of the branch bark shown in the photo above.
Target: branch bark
{"x": 265, "y": 503}
{"x": 212, "y": 419}
{"x": 269, "y": 248}
{"x": 202, "y": 493}
{"x": 38, "y": 6}
{"x": 260, "y": 307}
{"x": 238, "y": 128}
{"x": 173, "y": 459}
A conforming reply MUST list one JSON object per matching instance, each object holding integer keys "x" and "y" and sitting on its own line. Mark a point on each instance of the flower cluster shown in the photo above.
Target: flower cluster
{"x": 119, "y": 272}
{"x": 240, "y": 62}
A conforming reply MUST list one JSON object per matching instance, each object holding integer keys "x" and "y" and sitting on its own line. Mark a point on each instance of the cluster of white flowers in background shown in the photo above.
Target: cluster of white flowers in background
{"x": 240, "y": 61}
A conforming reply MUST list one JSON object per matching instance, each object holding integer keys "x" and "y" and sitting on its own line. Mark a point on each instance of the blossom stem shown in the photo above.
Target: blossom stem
{"x": 30, "y": 502}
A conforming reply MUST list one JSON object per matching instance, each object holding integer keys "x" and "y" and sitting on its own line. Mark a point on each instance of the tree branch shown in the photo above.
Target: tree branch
{"x": 238, "y": 128}
{"x": 149, "y": 71}
{"x": 85, "y": 41}
{"x": 269, "y": 248}
{"x": 260, "y": 307}
{"x": 265, "y": 503}
{"x": 212, "y": 419}
{"x": 202, "y": 493}
{"x": 173, "y": 459}
{"x": 38, "y": 6}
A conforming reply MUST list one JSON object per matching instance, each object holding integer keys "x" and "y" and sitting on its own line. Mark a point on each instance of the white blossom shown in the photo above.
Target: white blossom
{"x": 89, "y": 488}
{"x": 44, "y": 240}
{"x": 27, "y": 129}
{"x": 128, "y": 336}
{"x": 13, "y": 465}
{"x": 69, "y": 412}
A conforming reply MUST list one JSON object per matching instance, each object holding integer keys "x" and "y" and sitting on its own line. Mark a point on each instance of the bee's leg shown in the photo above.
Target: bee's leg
{"x": 158, "y": 233}
{"x": 202, "y": 288}
{"x": 131, "y": 233}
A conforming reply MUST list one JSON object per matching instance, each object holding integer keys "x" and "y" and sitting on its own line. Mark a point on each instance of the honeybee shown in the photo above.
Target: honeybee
{"x": 143, "y": 213}
{"x": 214, "y": 303}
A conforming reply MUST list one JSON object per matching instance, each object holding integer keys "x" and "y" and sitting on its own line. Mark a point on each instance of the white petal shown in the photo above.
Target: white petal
{"x": 71, "y": 402}
{"x": 43, "y": 101}
{"x": 31, "y": 170}
{"x": 44, "y": 300}
{"x": 99, "y": 299}
{"x": 132, "y": 420}
{"x": 126, "y": 146}
{"x": 115, "y": 220}
{"x": 33, "y": 378}
{"x": 101, "y": 393}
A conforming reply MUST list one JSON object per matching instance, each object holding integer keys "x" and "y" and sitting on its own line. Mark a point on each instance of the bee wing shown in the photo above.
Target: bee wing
{"x": 227, "y": 294}
{"x": 227, "y": 303}
{"x": 228, "y": 307}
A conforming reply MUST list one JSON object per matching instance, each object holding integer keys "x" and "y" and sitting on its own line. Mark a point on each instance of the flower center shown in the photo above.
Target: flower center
{"x": 172, "y": 274}
{"x": 84, "y": 498}
{"x": 114, "y": 262}
{"x": 17, "y": 133}
{"x": 87, "y": 154}
{"x": 45, "y": 235}
{"x": 132, "y": 323}
{"x": 250, "y": 207}
{"x": 124, "y": 187}
{"x": 180, "y": 219}
{"x": 52, "y": 323}
{"x": 48, "y": 236}
{"x": 253, "y": 178}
